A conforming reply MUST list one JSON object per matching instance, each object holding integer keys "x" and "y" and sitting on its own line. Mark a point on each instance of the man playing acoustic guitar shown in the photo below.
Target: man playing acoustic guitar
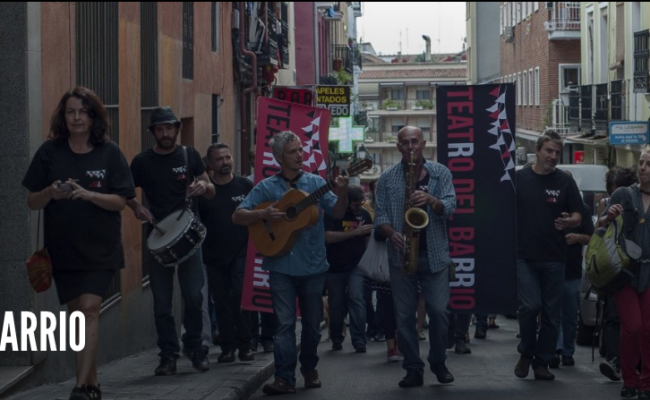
{"x": 300, "y": 272}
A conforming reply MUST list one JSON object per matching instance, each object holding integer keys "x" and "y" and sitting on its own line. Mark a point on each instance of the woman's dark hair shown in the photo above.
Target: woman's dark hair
{"x": 619, "y": 177}
{"x": 58, "y": 128}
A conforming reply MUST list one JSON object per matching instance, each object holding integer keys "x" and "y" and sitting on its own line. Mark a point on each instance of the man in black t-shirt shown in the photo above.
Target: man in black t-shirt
{"x": 548, "y": 202}
{"x": 346, "y": 241}
{"x": 163, "y": 173}
{"x": 224, "y": 253}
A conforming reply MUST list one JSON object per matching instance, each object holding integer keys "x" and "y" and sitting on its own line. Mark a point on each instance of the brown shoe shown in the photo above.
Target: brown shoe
{"x": 523, "y": 366}
{"x": 543, "y": 374}
{"x": 279, "y": 386}
{"x": 311, "y": 379}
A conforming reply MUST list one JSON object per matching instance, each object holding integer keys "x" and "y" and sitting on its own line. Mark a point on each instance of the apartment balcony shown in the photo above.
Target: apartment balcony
{"x": 564, "y": 21}
{"x": 345, "y": 57}
{"x": 398, "y": 108}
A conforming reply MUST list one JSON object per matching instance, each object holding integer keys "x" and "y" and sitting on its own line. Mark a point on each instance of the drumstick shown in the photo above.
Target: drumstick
{"x": 156, "y": 227}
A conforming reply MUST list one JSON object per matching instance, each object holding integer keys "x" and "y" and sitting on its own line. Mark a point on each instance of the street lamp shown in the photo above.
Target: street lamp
{"x": 362, "y": 152}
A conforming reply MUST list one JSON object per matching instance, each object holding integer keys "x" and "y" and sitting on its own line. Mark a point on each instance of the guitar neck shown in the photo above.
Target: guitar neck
{"x": 314, "y": 197}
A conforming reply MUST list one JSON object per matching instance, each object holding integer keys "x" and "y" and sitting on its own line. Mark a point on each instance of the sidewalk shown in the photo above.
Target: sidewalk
{"x": 133, "y": 378}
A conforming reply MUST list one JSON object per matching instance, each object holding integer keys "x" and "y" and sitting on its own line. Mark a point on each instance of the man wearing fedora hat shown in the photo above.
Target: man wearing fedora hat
{"x": 163, "y": 173}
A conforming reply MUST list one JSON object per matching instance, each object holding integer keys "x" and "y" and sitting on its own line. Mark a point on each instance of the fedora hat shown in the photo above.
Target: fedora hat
{"x": 163, "y": 115}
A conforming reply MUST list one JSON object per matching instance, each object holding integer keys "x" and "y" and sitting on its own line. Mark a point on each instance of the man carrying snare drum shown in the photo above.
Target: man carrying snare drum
{"x": 163, "y": 172}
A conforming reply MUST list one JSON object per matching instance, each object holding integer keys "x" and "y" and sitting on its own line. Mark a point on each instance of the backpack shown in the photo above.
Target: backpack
{"x": 608, "y": 256}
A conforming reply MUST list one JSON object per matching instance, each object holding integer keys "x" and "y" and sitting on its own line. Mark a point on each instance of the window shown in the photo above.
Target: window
{"x": 537, "y": 97}
{"x": 397, "y": 94}
{"x": 188, "y": 40}
{"x": 536, "y": 5}
{"x": 422, "y": 95}
{"x": 523, "y": 89}
{"x": 641, "y": 61}
{"x": 216, "y": 19}
{"x": 616, "y": 100}
{"x": 97, "y": 56}
{"x": 586, "y": 106}
{"x": 530, "y": 87}
{"x": 518, "y": 88}
{"x": 569, "y": 76}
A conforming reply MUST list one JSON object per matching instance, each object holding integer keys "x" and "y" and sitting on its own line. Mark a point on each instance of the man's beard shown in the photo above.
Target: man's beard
{"x": 225, "y": 170}
{"x": 167, "y": 143}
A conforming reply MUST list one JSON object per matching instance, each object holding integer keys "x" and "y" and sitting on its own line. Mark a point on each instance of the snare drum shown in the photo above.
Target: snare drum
{"x": 181, "y": 238}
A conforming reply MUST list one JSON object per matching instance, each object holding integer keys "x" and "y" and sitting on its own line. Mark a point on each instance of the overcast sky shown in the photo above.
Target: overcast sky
{"x": 382, "y": 23}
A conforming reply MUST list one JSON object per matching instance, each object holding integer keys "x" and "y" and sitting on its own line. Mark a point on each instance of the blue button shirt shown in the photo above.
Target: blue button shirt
{"x": 307, "y": 256}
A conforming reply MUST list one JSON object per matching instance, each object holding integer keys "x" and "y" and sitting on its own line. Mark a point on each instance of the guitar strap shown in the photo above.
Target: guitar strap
{"x": 291, "y": 182}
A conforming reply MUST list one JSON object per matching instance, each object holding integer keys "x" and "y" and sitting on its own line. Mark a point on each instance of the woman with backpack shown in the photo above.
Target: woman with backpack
{"x": 633, "y": 300}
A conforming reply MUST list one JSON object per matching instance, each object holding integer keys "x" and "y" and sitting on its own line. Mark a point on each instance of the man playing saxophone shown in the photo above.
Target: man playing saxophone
{"x": 418, "y": 251}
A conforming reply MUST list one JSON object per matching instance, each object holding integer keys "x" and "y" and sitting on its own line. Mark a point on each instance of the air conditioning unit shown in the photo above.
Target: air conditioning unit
{"x": 323, "y": 5}
{"x": 509, "y": 34}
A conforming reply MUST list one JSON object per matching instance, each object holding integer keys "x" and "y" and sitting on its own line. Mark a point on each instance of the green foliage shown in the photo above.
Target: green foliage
{"x": 390, "y": 104}
{"x": 426, "y": 104}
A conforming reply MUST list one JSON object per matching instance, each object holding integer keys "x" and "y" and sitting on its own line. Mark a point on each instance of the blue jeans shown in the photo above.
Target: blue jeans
{"x": 435, "y": 289}
{"x": 190, "y": 279}
{"x": 284, "y": 290}
{"x": 566, "y": 338}
{"x": 347, "y": 288}
{"x": 540, "y": 286}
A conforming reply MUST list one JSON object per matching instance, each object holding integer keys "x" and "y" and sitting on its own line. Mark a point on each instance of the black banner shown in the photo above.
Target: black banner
{"x": 476, "y": 141}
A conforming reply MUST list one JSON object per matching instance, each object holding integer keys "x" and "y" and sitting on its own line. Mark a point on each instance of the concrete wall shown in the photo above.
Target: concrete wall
{"x": 487, "y": 38}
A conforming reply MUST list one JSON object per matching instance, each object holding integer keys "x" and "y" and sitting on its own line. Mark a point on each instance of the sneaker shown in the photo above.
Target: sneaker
{"x": 80, "y": 393}
{"x": 246, "y": 354}
{"x": 268, "y": 346}
{"x": 394, "y": 356}
{"x": 279, "y": 386}
{"x": 554, "y": 362}
{"x": 166, "y": 367}
{"x": 227, "y": 356}
{"x": 523, "y": 366}
{"x": 413, "y": 378}
{"x": 337, "y": 346}
{"x": 568, "y": 361}
{"x": 611, "y": 369}
{"x": 422, "y": 336}
{"x": 200, "y": 361}
{"x": 543, "y": 374}
{"x": 628, "y": 392}
{"x": 94, "y": 392}
{"x": 311, "y": 378}
{"x": 360, "y": 349}
{"x": 461, "y": 347}
{"x": 379, "y": 337}
{"x": 480, "y": 333}
{"x": 442, "y": 373}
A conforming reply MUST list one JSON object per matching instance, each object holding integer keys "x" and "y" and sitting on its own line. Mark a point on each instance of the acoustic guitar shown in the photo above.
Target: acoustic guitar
{"x": 275, "y": 238}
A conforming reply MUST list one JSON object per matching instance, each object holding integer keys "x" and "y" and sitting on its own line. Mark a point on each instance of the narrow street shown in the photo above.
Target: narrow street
{"x": 485, "y": 374}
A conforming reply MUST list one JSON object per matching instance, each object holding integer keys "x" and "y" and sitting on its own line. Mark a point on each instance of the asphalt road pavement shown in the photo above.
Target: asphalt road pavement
{"x": 486, "y": 374}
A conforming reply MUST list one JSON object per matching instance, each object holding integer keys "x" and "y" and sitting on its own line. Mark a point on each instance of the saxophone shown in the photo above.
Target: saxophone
{"x": 415, "y": 219}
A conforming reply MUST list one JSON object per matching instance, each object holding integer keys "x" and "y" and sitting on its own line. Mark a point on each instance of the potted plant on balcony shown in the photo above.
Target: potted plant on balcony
{"x": 390, "y": 104}
{"x": 424, "y": 105}
{"x": 342, "y": 77}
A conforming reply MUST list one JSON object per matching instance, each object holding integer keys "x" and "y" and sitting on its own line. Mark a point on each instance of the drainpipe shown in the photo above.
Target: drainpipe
{"x": 427, "y": 54}
{"x": 316, "y": 47}
{"x": 242, "y": 47}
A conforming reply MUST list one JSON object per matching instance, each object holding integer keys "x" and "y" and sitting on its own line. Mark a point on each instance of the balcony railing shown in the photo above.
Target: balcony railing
{"x": 559, "y": 114}
{"x": 564, "y": 20}
{"x": 345, "y": 56}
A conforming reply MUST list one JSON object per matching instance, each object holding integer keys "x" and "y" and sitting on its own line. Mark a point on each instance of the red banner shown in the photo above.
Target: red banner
{"x": 295, "y": 94}
{"x": 311, "y": 124}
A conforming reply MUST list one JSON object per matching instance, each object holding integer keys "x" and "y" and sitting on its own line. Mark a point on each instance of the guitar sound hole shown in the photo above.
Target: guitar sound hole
{"x": 291, "y": 212}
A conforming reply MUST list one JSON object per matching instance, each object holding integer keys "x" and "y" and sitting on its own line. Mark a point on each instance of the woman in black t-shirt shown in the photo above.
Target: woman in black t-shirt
{"x": 82, "y": 181}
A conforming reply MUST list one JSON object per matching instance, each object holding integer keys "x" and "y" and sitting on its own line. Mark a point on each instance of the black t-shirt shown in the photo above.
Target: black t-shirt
{"x": 224, "y": 241}
{"x": 574, "y": 252}
{"x": 163, "y": 178}
{"x": 345, "y": 256}
{"x": 423, "y": 185}
{"x": 541, "y": 199}
{"x": 78, "y": 234}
